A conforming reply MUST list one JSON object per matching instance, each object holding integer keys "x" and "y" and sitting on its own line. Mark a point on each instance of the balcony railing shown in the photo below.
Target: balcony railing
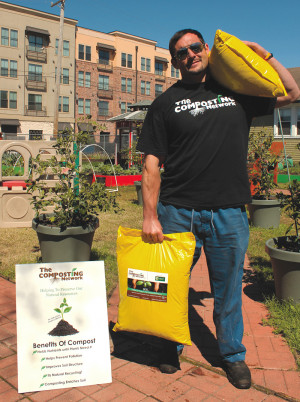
{"x": 160, "y": 76}
{"x": 105, "y": 93}
{"x": 36, "y": 54}
{"x": 105, "y": 65}
{"x": 104, "y": 114}
{"x": 36, "y": 83}
{"x": 36, "y": 112}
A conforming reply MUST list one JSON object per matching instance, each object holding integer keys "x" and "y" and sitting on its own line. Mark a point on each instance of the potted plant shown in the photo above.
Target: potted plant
{"x": 66, "y": 212}
{"x": 284, "y": 251}
{"x": 264, "y": 209}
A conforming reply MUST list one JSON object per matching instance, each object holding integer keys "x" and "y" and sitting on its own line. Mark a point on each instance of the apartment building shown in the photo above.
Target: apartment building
{"x": 28, "y": 66}
{"x": 113, "y": 72}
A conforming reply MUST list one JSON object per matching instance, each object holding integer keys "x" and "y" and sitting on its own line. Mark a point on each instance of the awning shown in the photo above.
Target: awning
{"x": 105, "y": 46}
{"x": 162, "y": 59}
{"x": 37, "y": 30}
{"x": 87, "y": 127}
{"x": 10, "y": 122}
{"x": 64, "y": 126}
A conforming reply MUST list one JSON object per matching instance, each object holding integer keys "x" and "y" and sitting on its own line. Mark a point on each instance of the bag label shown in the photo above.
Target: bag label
{"x": 147, "y": 285}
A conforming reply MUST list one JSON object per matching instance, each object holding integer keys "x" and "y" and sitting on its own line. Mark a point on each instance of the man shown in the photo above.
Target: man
{"x": 199, "y": 131}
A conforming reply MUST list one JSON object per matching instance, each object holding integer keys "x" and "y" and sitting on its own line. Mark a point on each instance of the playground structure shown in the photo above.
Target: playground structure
{"x": 15, "y": 208}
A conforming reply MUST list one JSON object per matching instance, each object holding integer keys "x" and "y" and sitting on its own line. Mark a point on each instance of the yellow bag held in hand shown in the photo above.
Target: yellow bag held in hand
{"x": 237, "y": 67}
{"x": 154, "y": 284}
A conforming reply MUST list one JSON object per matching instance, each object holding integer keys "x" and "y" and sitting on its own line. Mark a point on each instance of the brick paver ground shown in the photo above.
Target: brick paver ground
{"x": 134, "y": 357}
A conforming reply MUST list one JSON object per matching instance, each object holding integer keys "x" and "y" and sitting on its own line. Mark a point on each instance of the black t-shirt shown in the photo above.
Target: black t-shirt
{"x": 202, "y": 132}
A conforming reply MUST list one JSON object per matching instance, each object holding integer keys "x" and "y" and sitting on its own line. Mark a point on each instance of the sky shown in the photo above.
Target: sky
{"x": 274, "y": 24}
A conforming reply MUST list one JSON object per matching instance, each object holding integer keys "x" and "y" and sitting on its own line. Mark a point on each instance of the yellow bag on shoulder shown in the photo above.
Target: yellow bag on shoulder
{"x": 154, "y": 284}
{"x": 237, "y": 67}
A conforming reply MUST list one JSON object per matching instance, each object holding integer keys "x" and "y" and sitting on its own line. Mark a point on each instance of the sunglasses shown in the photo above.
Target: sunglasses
{"x": 182, "y": 53}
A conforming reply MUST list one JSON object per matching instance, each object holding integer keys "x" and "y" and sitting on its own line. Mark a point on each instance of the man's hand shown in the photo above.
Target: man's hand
{"x": 152, "y": 231}
{"x": 257, "y": 49}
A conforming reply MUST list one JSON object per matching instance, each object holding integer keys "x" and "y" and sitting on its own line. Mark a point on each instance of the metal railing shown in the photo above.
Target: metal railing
{"x": 30, "y": 111}
{"x": 105, "y": 65}
{"x": 105, "y": 93}
{"x": 36, "y": 54}
{"x": 36, "y": 83}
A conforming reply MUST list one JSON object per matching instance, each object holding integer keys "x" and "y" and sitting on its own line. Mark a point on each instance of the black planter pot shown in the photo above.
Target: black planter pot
{"x": 138, "y": 187}
{"x": 264, "y": 213}
{"x": 72, "y": 244}
{"x": 286, "y": 270}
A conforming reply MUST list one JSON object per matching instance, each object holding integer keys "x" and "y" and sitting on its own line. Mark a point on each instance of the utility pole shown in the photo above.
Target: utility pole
{"x": 58, "y": 72}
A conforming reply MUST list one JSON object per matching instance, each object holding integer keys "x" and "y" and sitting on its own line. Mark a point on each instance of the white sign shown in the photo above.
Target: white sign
{"x": 62, "y": 326}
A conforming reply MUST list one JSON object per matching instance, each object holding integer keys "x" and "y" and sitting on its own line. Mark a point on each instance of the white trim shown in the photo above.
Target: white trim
{"x": 294, "y": 107}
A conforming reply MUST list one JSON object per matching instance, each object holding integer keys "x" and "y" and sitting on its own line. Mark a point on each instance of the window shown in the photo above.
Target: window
{"x": 158, "y": 89}
{"x": 143, "y": 87}
{"x": 129, "y": 85}
{"x": 174, "y": 72}
{"x": 159, "y": 68}
{"x": 35, "y": 135}
{"x": 4, "y": 99}
{"x": 285, "y": 115}
{"x": 65, "y": 76}
{"x": 13, "y": 100}
{"x": 87, "y": 80}
{"x": 65, "y": 107}
{"x": 66, "y": 48}
{"x": 35, "y": 72}
{"x": 123, "y": 107}
{"x": 145, "y": 64}
{"x": 123, "y": 84}
{"x": 126, "y": 60}
{"x": 84, "y": 52}
{"x": 87, "y": 106}
{"x": 35, "y": 43}
{"x": 34, "y": 102}
{"x": 88, "y": 53}
{"x": 103, "y": 108}
{"x": 4, "y": 36}
{"x": 81, "y": 52}
{"x": 103, "y": 82}
{"x": 11, "y": 96}
{"x": 13, "y": 68}
{"x": 147, "y": 88}
{"x": 4, "y": 67}
{"x": 80, "y": 78}
{"x": 126, "y": 85}
{"x": 103, "y": 57}
{"x": 13, "y": 38}
{"x": 80, "y": 105}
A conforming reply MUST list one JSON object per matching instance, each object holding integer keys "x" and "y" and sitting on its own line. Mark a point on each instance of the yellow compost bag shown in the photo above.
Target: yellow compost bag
{"x": 154, "y": 284}
{"x": 237, "y": 67}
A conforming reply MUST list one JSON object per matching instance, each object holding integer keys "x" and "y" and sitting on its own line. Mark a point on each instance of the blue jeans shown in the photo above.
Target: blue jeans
{"x": 224, "y": 235}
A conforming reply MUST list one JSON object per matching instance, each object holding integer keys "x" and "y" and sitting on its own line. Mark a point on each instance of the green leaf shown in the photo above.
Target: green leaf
{"x": 57, "y": 310}
{"x": 66, "y": 310}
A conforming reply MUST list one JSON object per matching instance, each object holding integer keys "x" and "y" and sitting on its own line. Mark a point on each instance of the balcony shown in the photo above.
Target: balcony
{"x": 35, "y": 111}
{"x": 36, "y": 83}
{"x": 160, "y": 76}
{"x": 103, "y": 115}
{"x": 36, "y": 54}
{"x": 105, "y": 65}
{"x": 105, "y": 93}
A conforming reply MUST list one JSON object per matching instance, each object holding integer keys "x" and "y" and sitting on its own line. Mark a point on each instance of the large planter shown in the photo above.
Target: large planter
{"x": 264, "y": 213}
{"x": 72, "y": 244}
{"x": 286, "y": 270}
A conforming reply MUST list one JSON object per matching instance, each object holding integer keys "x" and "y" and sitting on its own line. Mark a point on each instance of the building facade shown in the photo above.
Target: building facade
{"x": 28, "y": 66}
{"x": 114, "y": 71}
